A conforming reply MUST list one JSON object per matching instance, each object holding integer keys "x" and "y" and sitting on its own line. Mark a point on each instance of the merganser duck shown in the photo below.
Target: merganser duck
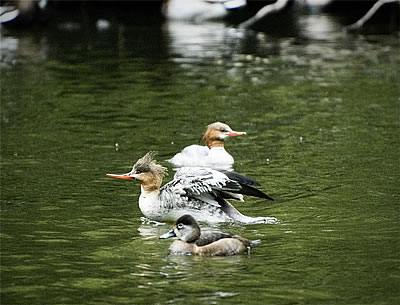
{"x": 213, "y": 154}
{"x": 191, "y": 241}
{"x": 198, "y": 191}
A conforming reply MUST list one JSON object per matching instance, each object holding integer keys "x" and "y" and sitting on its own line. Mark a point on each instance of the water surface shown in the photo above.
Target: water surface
{"x": 322, "y": 117}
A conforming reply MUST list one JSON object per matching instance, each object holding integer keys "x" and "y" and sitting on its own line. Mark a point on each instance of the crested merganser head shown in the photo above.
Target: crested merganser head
{"x": 217, "y": 132}
{"x": 146, "y": 171}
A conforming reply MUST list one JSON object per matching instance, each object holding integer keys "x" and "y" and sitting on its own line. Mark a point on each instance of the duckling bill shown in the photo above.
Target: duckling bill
{"x": 192, "y": 242}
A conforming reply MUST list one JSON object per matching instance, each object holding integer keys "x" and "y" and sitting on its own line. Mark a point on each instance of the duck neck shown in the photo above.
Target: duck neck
{"x": 151, "y": 185}
{"x": 194, "y": 236}
{"x": 214, "y": 143}
{"x": 149, "y": 203}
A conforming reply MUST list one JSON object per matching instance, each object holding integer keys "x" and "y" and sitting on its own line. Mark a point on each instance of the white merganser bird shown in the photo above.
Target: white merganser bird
{"x": 213, "y": 155}
{"x": 200, "y": 192}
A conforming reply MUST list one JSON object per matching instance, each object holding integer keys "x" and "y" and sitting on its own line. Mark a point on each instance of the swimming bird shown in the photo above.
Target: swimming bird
{"x": 201, "y": 192}
{"x": 191, "y": 241}
{"x": 213, "y": 154}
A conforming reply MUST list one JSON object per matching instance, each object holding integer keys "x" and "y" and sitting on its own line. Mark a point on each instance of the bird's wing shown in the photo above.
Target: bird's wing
{"x": 197, "y": 181}
{"x": 238, "y": 177}
{"x": 209, "y": 237}
{"x": 246, "y": 185}
{"x": 190, "y": 194}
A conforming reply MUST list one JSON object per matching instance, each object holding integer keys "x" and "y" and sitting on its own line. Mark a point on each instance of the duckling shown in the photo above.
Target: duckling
{"x": 192, "y": 242}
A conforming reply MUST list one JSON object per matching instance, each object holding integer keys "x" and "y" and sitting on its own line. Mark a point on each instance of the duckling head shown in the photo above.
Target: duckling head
{"x": 186, "y": 229}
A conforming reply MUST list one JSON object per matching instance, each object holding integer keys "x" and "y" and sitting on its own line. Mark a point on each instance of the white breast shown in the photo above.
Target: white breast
{"x": 218, "y": 157}
{"x": 149, "y": 204}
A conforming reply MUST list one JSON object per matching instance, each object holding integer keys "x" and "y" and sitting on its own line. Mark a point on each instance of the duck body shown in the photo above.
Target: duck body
{"x": 212, "y": 154}
{"x": 202, "y": 156}
{"x": 200, "y": 192}
{"x": 191, "y": 241}
{"x": 222, "y": 247}
{"x": 197, "y": 191}
{"x": 172, "y": 201}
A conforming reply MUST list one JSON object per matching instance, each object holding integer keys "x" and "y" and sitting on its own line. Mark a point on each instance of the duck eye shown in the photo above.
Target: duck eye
{"x": 180, "y": 225}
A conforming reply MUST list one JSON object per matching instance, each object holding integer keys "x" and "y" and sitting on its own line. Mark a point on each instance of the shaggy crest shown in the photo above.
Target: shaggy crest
{"x": 148, "y": 164}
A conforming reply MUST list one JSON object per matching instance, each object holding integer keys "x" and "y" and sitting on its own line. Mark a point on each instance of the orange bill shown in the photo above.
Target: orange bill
{"x": 236, "y": 133}
{"x": 122, "y": 176}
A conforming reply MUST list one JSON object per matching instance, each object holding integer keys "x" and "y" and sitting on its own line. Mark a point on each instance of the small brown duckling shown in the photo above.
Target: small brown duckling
{"x": 192, "y": 242}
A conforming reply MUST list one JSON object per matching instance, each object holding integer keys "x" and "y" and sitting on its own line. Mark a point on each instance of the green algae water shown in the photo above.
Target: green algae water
{"x": 322, "y": 122}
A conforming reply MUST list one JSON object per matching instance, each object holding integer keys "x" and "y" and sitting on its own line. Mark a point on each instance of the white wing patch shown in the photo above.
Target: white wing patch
{"x": 199, "y": 180}
{"x": 192, "y": 184}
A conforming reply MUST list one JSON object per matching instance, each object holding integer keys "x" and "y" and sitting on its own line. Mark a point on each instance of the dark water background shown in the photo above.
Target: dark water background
{"x": 322, "y": 116}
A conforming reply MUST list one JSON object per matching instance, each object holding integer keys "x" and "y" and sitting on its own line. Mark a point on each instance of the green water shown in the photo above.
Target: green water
{"x": 322, "y": 117}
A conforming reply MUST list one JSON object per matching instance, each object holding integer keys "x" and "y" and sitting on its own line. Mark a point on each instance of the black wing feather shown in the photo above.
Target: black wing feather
{"x": 239, "y": 177}
{"x": 246, "y": 184}
{"x": 251, "y": 191}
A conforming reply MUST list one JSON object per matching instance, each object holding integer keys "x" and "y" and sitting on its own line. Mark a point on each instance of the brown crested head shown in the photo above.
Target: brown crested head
{"x": 217, "y": 132}
{"x": 148, "y": 172}
{"x": 147, "y": 164}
